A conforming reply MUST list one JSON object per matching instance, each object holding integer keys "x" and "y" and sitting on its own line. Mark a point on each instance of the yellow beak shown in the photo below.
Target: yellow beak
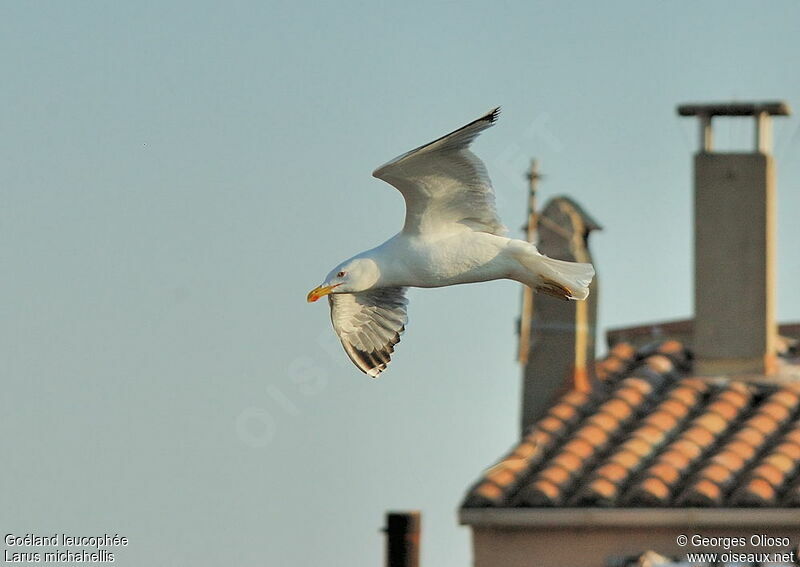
{"x": 320, "y": 291}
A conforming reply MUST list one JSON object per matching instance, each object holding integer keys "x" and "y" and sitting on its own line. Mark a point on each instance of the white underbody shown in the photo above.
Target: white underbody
{"x": 445, "y": 259}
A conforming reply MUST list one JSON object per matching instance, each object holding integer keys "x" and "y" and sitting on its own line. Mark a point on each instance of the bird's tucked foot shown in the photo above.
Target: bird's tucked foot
{"x": 555, "y": 289}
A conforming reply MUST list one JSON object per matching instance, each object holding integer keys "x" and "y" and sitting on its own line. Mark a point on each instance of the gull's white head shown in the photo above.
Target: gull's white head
{"x": 351, "y": 276}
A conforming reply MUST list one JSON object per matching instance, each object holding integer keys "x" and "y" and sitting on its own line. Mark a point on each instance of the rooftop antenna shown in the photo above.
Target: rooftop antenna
{"x": 530, "y": 229}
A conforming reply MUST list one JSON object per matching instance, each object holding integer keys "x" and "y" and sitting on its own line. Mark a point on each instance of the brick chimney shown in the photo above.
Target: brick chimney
{"x": 734, "y": 249}
{"x": 557, "y": 338}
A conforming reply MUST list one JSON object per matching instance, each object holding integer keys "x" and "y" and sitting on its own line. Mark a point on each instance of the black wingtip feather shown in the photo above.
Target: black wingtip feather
{"x": 490, "y": 117}
{"x": 373, "y": 361}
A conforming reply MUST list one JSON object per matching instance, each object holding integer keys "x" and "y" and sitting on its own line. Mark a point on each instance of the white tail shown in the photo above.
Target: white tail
{"x": 565, "y": 280}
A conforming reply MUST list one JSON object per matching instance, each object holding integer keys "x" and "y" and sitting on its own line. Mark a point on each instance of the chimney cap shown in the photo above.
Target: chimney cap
{"x": 773, "y": 108}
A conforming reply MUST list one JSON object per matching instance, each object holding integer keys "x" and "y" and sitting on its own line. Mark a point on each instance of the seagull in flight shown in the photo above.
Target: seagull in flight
{"x": 452, "y": 235}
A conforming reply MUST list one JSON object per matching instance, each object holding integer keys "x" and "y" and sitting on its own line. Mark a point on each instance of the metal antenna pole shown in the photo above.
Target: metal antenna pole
{"x": 533, "y": 176}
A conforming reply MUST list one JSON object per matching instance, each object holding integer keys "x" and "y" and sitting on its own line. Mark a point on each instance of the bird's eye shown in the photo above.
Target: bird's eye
{"x": 340, "y": 275}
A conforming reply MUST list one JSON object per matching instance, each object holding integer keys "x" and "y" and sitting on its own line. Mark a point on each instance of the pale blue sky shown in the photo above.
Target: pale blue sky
{"x": 176, "y": 176}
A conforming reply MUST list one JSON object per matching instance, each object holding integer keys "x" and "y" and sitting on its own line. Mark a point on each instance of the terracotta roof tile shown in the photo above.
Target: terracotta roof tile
{"x": 623, "y": 351}
{"x": 639, "y": 384}
{"x": 618, "y": 408}
{"x": 613, "y": 472}
{"x": 638, "y": 447}
{"x": 712, "y": 422}
{"x": 667, "y": 472}
{"x": 776, "y": 411}
{"x": 604, "y": 369}
{"x": 736, "y": 394}
{"x": 685, "y": 394}
{"x": 717, "y": 474}
{"x": 575, "y": 398}
{"x": 651, "y": 436}
{"x": 764, "y": 423}
{"x": 488, "y": 491}
{"x": 687, "y": 447}
{"x": 661, "y": 420}
{"x": 790, "y": 449}
{"x": 604, "y": 421}
{"x": 793, "y": 436}
{"x": 568, "y": 461}
{"x": 542, "y": 493}
{"x": 652, "y": 492}
{"x": 780, "y": 461}
{"x": 788, "y": 397}
{"x": 750, "y": 436}
{"x": 540, "y": 439}
{"x": 769, "y": 473}
{"x": 556, "y": 475}
{"x": 699, "y": 435}
{"x": 671, "y": 347}
{"x": 677, "y": 459}
{"x": 625, "y": 459}
{"x": 593, "y": 434}
{"x": 579, "y": 447}
{"x": 565, "y": 412}
{"x": 755, "y": 492}
{"x": 616, "y": 363}
{"x": 723, "y": 408}
{"x": 702, "y": 493}
{"x": 501, "y": 477}
{"x": 742, "y": 449}
{"x": 598, "y": 492}
{"x": 676, "y": 408}
{"x": 524, "y": 450}
{"x": 631, "y": 395}
{"x": 729, "y": 460}
{"x": 660, "y": 364}
{"x": 552, "y": 425}
{"x": 603, "y": 488}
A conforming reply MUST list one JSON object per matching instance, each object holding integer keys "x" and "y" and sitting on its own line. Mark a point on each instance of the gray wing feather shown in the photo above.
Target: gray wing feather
{"x": 369, "y": 324}
{"x": 444, "y": 183}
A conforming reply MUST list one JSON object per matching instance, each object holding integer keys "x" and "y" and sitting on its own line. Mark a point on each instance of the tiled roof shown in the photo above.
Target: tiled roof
{"x": 652, "y": 435}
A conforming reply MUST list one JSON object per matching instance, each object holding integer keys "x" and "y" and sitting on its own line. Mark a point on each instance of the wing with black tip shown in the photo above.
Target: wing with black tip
{"x": 445, "y": 186}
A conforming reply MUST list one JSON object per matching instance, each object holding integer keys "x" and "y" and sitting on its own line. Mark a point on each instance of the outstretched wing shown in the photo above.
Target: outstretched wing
{"x": 444, "y": 184}
{"x": 369, "y": 324}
